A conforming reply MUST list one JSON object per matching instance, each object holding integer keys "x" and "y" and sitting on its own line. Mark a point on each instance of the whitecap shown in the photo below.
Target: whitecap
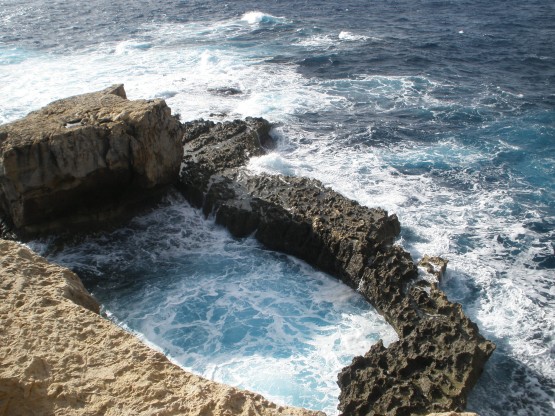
{"x": 256, "y": 18}
{"x": 272, "y": 163}
{"x": 130, "y": 46}
{"x": 317, "y": 41}
{"x": 349, "y": 36}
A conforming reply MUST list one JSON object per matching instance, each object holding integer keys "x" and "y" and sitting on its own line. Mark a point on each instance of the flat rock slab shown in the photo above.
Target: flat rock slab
{"x": 440, "y": 353}
{"x": 91, "y": 153}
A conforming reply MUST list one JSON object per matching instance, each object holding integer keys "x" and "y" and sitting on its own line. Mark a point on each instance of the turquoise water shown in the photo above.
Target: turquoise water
{"x": 442, "y": 112}
{"x": 226, "y": 309}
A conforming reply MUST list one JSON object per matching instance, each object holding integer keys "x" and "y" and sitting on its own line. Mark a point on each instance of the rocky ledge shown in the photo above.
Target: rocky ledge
{"x": 58, "y": 356}
{"x": 440, "y": 353}
{"x": 84, "y": 160}
{"x": 81, "y": 161}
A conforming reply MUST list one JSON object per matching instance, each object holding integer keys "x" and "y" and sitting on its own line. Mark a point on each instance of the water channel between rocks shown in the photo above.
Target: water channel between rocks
{"x": 224, "y": 308}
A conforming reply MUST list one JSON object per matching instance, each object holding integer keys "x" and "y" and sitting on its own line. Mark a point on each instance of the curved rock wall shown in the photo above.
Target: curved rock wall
{"x": 58, "y": 356}
{"x": 87, "y": 158}
{"x": 440, "y": 353}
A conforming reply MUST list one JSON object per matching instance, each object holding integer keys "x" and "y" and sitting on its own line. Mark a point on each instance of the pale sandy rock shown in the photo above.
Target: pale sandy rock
{"x": 78, "y": 155}
{"x": 59, "y": 357}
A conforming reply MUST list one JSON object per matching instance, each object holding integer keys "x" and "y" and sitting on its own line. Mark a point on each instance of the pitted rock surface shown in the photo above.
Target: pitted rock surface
{"x": 60, "y": 357}
{"x": 440, "y": 353}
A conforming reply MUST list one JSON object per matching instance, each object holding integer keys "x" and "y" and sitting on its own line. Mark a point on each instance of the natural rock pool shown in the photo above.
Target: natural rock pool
{"x": 224, "y": 308}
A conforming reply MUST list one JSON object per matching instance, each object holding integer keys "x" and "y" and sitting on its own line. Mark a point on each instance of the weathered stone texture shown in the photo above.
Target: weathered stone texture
{"x": 88, "y": 158}
{"x": 58, "y": 356}
{"x": 85, "y": 154}
{"x": 440, "y": 353}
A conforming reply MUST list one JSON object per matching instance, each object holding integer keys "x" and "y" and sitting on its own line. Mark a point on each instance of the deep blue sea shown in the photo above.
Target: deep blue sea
{"x": 442, "y": 112}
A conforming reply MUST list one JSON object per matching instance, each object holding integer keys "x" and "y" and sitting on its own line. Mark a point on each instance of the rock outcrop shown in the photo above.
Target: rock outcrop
{"x": 85, "y": 159}
{"x": 89, "y": 158}
{"x": 59, "y": 356}
{"x": 440, "y": 353}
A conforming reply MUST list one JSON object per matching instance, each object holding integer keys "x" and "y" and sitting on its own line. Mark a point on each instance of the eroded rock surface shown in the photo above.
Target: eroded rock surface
{"x": 440, "y": 353}
{"x": 89, "y": 158}
{"x": 58, "y": 356}
{"x": 85, "y": 159}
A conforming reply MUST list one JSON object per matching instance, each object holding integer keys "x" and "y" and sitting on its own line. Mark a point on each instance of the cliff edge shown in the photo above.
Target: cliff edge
{"x": 84, "y": 160}
{"x": 59, "y": 356}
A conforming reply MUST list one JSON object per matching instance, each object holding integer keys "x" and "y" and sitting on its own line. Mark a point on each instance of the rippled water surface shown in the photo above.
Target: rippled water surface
{"x": 442, "y": 112}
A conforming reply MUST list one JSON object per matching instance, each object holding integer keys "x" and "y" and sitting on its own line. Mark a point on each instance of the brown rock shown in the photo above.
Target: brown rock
{"x": 434, "y": 265}
{"x": 66, "y": 162}
{"x": 58, "y": 356}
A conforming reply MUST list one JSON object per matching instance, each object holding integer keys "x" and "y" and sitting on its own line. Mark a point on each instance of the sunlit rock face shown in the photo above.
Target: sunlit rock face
{"x": 59, "y": 356}
{"x": 83, "y": 158}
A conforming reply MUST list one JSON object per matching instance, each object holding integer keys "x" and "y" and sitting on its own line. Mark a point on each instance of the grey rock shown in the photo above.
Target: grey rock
{"x": 440, "y": 353}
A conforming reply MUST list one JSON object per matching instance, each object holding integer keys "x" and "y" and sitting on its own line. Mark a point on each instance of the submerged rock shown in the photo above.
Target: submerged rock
{"x": 440, "y": 353}
{"x": 225, "y": 91}
{"x": 85, "y": 159}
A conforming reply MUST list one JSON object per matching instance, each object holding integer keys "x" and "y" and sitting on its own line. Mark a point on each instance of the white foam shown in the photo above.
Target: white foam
{"x": 228, "y": 301}
{"x": 349, "y": 36}
{"x": 129, "y": 47}
{"x": 317, "y": 41}
{"x": 189, "y": 73}
{"x": 272, "y": 163}
{"x": 437, "y": 220}
{"x": 257, "y": 17}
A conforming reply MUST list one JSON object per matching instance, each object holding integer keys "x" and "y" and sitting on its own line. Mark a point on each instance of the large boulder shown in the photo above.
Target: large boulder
{"x": 440, "y": 353}
{"x": 83, "y": 158}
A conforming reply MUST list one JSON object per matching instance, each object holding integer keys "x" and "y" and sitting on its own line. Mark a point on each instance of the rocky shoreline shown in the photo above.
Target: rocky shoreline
{"x": 440, "y": 353}
{"x": 60, "y": 357}
{"x": 89, "y": 160}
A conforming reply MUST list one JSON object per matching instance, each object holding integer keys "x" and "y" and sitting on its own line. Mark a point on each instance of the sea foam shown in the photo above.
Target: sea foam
{"x": 256, "y": 17}
{"x": 227, "y": 309}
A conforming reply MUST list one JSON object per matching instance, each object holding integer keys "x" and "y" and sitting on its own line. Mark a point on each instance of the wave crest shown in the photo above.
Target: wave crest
{"x": 256, "y": 17}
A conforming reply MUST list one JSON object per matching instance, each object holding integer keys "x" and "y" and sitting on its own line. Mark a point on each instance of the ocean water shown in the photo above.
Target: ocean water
{"x": 442, "y": 112}
{"x": 227, "y": 309}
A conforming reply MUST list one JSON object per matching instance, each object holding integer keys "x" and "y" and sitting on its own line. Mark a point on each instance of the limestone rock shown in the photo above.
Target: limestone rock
{"x": 434, "y": 265}
{"x": 85, "y": 154}
{"x": 209, "y": 146}
{"x": 440, "y": 353}
{"x": 60, "y": 357}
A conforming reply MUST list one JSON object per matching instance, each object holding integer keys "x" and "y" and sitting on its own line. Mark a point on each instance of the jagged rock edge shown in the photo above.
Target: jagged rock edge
{"x": 418, "y": 311}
